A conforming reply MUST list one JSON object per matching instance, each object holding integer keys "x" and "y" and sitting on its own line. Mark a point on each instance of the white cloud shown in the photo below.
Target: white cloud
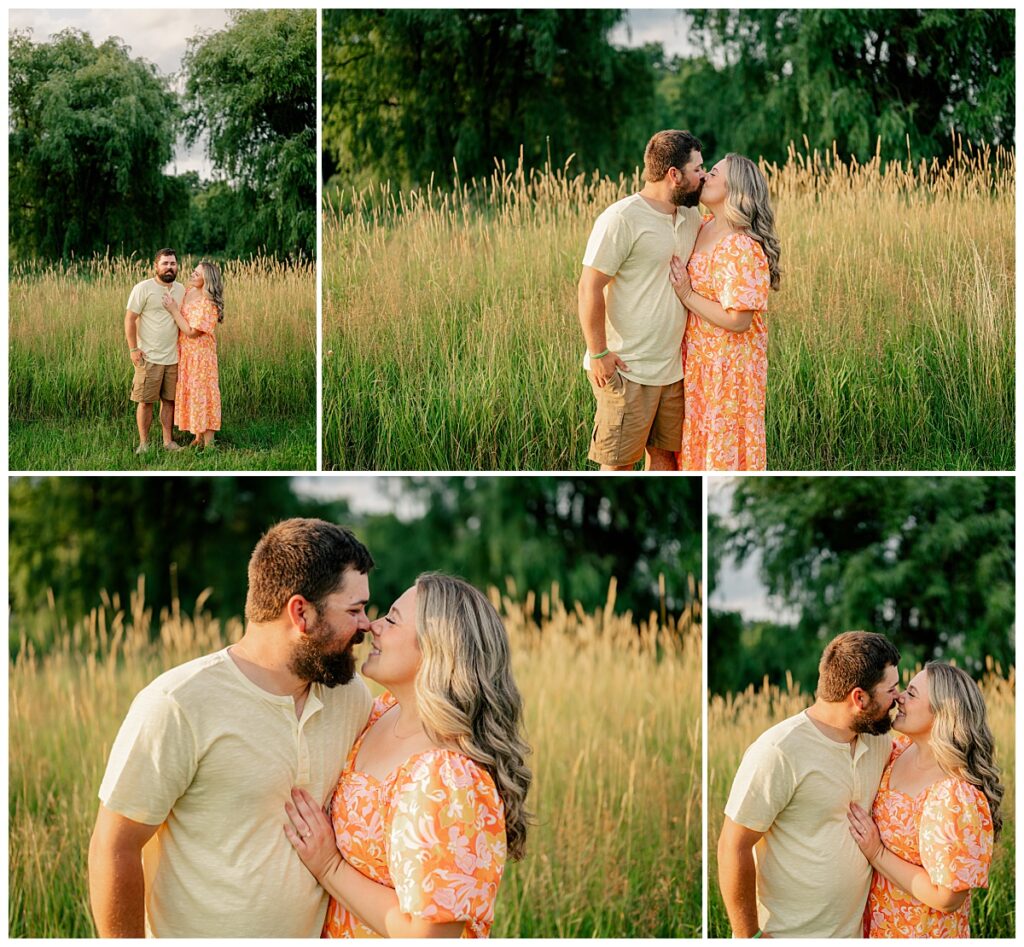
{"x": 158, "y": 36}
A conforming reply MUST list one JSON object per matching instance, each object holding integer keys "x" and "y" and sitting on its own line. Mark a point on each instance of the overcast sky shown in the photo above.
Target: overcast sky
{"x": 365, "y": 494}
{"x": 159, "y": 36}
{"x": 740, "y": 588}
{"x": 668, "y": 27}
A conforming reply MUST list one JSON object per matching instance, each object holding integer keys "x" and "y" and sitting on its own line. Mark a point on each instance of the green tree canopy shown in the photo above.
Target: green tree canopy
{"x": 577, "y": 532}
{"x": 81, "y": 535}
{"x": 90, "y": 130}
{"x": 855, "y": 77}
{"x": 251, "y": 89}
{"x": 928, "y": 561}
{"x": 406, "y": 91}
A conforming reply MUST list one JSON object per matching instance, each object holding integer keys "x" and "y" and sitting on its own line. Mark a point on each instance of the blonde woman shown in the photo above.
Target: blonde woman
{"x": 931, "y": 829}
{"x": 724, "y": 286}
{"x": 197, "y": 399}
{"x": 432, "y": 797}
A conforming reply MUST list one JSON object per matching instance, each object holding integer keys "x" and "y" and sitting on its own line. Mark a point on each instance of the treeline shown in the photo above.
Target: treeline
{"x": 413, "y": 94}
{"x": 928, "y": 561}
{"x": 92, "y": 129}
{"x": 73, "y": 538}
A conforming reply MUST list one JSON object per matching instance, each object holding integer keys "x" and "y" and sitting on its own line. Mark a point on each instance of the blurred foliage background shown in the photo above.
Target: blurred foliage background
{"x": 928, "y": 561}
{"x": 91, "y": 129}
{"x": 72, "y": 539}
{"x": 408, "y": 92}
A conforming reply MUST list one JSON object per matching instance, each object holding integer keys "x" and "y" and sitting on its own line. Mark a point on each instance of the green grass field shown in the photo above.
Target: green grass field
{"x": 612, "y": 710}
{"x": 452, "y": 341}
{"x": 735, "y": 721}
{"x": 69, "y": 373}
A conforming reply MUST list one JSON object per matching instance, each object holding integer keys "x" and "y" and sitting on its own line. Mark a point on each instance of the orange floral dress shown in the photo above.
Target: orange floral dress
{"x": 433, "y": 829}
{"x": 947, "y": 829}
{"x": 725, "y": 373}
{"x": 197, "y": 397}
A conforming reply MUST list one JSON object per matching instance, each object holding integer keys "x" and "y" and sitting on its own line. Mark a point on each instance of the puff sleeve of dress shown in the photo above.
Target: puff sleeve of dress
{"x": 956, "y": 836}
{"x": 446, "y": 850}
{"x": 741, "y": 274}
{"x": 203, "y": 316}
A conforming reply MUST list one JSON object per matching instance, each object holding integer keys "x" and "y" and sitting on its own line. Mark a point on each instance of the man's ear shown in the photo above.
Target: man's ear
{"x": 861, "y": 698}
{"x": 300, "y": 612}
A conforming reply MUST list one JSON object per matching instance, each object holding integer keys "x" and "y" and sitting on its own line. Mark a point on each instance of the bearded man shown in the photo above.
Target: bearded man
{"x": 787, "y": 863}
{"x": 189, "y": 839}
{"x": 632, "y": 321}
{"x": 152, "y": 338}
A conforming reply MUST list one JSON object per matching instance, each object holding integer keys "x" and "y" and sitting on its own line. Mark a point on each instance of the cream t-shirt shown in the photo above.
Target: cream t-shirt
{"x": 795, "y": 785}
{"x": 211, "y": 758}
{"x": 633, "y": 243}
{"x": 158, "y": 332}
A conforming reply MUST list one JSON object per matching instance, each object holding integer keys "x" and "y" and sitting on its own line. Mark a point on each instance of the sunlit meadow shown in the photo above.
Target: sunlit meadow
{"x": 452, "y": 340}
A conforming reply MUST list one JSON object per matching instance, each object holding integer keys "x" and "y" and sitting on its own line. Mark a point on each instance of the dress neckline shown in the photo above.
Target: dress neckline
{"x": 888, "y": 777}
{"x": 389, "y": 702}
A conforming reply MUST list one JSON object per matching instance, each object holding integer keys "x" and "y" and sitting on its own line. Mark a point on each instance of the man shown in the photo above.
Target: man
{"x": 787, "y": 864}
{"x": 632, "y": 321}
{"x": 189, "y": 841}
{"x": 152, "y": 337}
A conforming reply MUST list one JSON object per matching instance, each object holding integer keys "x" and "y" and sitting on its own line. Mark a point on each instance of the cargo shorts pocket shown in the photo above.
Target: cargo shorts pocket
{"x": 606, "y": 440}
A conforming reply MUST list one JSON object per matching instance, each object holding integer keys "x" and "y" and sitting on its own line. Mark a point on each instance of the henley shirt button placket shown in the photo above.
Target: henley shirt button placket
{"x": 302, "y": 755}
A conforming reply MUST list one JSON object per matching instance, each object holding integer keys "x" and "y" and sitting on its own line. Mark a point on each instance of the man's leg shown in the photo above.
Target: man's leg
{"x": 659, "y": 459}
{"x": 610, "y": 467}
{"x": 665, "y": 439}
{"x": 167, "y": 423}
{"x": 143, "y": 420}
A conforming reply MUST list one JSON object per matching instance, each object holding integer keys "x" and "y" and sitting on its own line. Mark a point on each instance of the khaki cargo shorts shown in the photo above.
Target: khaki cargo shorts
{"x": 154, "y": 382}
{"x": 631, "y": 417}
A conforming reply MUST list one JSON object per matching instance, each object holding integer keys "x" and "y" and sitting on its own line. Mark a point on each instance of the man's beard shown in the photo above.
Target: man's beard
{"x": 311, "y": 663}
{"x": 166, "y": 277}
{"x": 866, "y": 721}
{"x": 682, "y": 197}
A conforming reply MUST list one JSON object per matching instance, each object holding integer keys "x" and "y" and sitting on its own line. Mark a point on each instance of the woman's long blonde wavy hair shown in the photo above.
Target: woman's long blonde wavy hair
{"x": 213, "y": 285}
{"x": 748, "y": 208}
{"x": 961, "y": 739}
{"x": 465, "y": 693}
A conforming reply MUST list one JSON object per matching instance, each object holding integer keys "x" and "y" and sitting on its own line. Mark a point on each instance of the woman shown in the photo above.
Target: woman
{"x": 433, "y": 793}
{"x": 930, "y": 833}
{"x": 197, "y": 398}
{"x": 725, "y": 347}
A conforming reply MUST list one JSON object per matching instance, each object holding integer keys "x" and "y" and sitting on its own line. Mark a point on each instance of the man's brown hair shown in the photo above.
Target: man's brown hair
{"x": 166, "y": 251}
{"x": 668, "y": 149}
{"x": 854, "y": 659}
{"x": 304, "y": 557}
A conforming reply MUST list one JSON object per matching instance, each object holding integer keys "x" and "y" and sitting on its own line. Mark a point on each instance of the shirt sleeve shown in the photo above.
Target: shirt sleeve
{"x": 136, "y": 301}
{"x": 152, "y": 762}
{"x": 446, "y": 850}
{"x": 203, "y": 316}
{"x": 741, "y": 274}
{"x": 763, "y": 787}
{"x": 956, "y": 836}
{"x": 610, "y": 243}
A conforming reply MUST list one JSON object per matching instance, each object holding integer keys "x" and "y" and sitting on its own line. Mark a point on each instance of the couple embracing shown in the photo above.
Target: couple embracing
{"x": 673, "y": 308}
{"x": 259, "y": 792}
{"x": 835, "y": 828}
{"x": 170, "y": 333}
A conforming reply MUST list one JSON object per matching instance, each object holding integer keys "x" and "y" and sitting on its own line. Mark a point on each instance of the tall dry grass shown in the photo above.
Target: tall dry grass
{"x": 736, "y": 720}
{"x": 612, "y": 706}
{"x": 69, "y": 367}
{"x": 452, "y": 341}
